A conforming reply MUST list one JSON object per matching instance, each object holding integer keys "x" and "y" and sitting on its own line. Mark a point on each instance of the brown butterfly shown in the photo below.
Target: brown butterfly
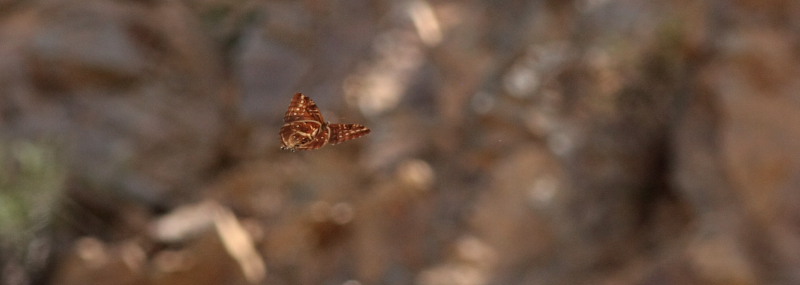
{"x": 304, "y": 128}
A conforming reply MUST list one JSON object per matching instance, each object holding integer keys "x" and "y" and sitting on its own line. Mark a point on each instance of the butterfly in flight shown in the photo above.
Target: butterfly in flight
{"x": 305, "y": 129}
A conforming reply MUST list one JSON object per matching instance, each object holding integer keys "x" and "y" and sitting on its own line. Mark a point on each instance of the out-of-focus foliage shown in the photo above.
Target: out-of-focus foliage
{"x": 32, "y": 178}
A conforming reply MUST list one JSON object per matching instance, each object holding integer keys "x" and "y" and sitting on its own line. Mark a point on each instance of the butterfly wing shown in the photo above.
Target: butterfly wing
{"x": 302, "y": 108}
{"x": 307, "y": 134}
{"x": 318, "y": 140}
{"x": 344, "y": 132}
{"x": 305, "y": 129}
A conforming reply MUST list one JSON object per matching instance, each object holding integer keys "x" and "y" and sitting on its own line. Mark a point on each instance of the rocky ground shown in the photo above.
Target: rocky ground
{"x": 513, "y": 142}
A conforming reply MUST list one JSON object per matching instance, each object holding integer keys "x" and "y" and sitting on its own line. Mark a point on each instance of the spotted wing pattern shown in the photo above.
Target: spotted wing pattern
{"x": 305, "y": 129}
{"x": 302, "y": 108}
{"x": 344, "y": 132}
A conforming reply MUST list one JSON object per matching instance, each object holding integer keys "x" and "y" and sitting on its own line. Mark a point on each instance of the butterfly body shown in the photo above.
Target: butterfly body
{"x": 305, "y": 129}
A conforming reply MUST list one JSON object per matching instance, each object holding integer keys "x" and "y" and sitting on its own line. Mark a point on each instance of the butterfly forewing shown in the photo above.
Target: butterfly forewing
{"x": 345, "y": 132}
{"x": 302, "y": 108}
{"x": 304, "y": 128}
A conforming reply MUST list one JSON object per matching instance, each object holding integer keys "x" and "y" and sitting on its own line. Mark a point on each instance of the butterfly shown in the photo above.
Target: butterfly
{"x": 305, "y": 129}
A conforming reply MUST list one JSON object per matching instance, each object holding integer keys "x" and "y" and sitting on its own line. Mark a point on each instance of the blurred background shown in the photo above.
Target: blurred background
{"x": 513, "y": 142}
